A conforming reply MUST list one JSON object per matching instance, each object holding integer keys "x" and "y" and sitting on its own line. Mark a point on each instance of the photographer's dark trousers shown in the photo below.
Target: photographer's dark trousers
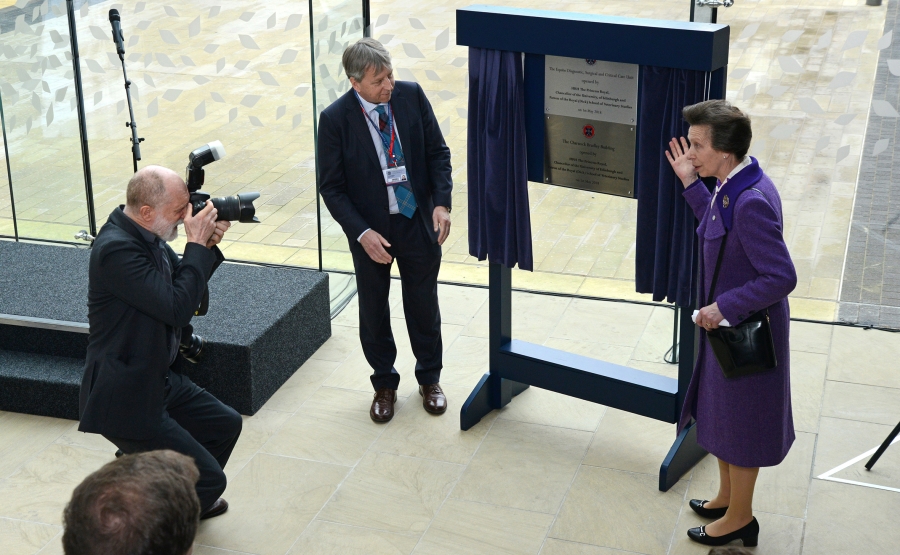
{"x": 198, "y": 425}
{"x": 419, "y": 261}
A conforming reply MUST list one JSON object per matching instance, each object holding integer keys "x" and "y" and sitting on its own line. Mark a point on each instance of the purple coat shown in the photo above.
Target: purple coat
{"x": 744, "y": 421}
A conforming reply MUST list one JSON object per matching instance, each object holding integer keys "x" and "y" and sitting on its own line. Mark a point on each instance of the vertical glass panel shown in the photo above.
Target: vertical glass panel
{"x": 206, "y": 70}
{"x": 7, "y": 226}
{"x": 41, "y": 120}
{"x": 335, "y": 25}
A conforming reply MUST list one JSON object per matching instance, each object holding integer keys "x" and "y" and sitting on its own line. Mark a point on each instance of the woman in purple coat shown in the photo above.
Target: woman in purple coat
{"x": 745, "y": 422}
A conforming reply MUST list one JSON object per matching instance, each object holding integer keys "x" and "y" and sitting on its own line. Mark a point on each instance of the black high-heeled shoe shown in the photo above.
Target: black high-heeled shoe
{"x": 749, "y": 534}
{"x": 697, "y": 506}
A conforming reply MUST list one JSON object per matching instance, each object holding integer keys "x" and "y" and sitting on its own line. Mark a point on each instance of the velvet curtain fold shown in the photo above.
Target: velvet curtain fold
{"x": 666, "y": 243}
{"x": 499, "y": 215}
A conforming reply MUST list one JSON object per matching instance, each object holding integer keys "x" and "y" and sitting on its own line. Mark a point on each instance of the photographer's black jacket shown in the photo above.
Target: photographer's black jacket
{"x": 132, "y": 309}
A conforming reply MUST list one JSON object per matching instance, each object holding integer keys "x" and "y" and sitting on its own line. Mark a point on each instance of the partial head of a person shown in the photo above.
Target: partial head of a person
{"x": 156, "y": 198}
{"x": 138, "y": 504}
{"x": 719, "y": 136}
{"x": 368, "y": 66}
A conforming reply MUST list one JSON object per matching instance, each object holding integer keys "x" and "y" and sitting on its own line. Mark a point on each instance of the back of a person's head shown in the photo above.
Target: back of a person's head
{"x": 729, "y": 550}
{"x": 136, "y": 505}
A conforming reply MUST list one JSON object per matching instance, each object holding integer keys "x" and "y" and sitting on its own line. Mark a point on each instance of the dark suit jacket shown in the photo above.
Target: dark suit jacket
{"x": 350, "y": 177}
{"x": 132, "y": 309}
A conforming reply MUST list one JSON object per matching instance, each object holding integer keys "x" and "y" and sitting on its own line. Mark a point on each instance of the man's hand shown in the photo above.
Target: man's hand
{"x": 441, "y": 219}
{"x": 374, "y": 244}
{"x": 200, "y": 228}
{"x": 221, "y": 228}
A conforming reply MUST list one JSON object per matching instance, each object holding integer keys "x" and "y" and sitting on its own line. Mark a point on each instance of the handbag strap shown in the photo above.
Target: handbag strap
{"x": 715, "y": 278}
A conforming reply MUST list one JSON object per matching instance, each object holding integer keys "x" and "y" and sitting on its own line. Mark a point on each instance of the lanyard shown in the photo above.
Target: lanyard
{"x": 389, "y": 148}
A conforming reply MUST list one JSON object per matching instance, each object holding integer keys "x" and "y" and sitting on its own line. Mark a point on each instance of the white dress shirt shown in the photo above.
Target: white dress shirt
{"x": 372, "y": 115}
{"x": 741, "y": 165}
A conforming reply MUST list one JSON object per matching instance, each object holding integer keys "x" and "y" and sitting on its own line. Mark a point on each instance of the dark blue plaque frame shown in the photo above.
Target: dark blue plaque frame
{"x": 516, "y": 365}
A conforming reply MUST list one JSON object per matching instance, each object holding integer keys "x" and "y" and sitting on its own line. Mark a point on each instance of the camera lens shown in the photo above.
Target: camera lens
{"x": 193, "y": 351}
{"x": 237, "y": 207}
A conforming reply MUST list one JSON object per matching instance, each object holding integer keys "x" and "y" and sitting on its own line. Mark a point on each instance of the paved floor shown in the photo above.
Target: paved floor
{"x": 870, "y": 292}
{"x": 548, "y": 474}
{"x": 805, "y": 71}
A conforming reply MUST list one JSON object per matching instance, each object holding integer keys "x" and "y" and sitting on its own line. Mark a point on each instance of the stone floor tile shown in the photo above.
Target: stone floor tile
{"x": 88, "y": 441}
{"x": 19, "y": 537}
{"x": 207, "y": 550}
{"x": 39, "y": 490}
{"x": 392, "y": 493}
{"x": 561, "y": 547}
{"x": 298, "y": 388}
{"x": 630, "y": 442}
{"x": 811, "y": 338}
{"x": 863, "y": 356}
{"x": 272, "y": 500}
{"x": 55, "y": 547}
{"x": 255, "y": 433}
{"x": 460, "y": 304}
{"x": 465, "y": 361}
{"x": 343, "y": 341}
{"x": 615, "y": 323}
{"x": 841, "y": 441}
{"x": 807, "y": 383}
{"x": 523, "y": 466}
{"x": 620, "y": 510}
{"x": 656, "y": 339}
{"x": 779, "y": 534}
{"x": 328, "y": 538}
{"x": 847, "y": 520}
{"x": 850, "y": 401}
{"x": 540, "y": 406}
{"x": 23, "y": 436}
{"x": 416, "y": 433}
{"x": 478, "y": 528}
{"x": 332, "y": 426}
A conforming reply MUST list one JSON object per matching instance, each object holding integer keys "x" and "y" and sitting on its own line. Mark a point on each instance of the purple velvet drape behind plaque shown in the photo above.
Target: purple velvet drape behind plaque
{"x": 666, "y": 244}
{"x": 499, "y": 216}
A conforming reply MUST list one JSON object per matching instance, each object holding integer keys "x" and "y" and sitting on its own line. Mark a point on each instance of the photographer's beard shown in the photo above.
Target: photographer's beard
{"x": 166, "y": 230}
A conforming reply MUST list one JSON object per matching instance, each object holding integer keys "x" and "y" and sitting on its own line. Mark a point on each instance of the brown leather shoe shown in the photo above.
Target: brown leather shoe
{"x": 433, "y": 398}
{"x": 383, "y": 405}
{"x": 218, "y": 508}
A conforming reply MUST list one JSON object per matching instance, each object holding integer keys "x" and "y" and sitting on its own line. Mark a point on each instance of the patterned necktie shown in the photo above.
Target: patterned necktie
{"x": 406, "y": 201}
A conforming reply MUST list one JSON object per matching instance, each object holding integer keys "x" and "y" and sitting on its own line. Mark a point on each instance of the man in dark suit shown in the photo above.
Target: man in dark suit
{"x": 384, "y": 173}
{"x": 141, "y": 298}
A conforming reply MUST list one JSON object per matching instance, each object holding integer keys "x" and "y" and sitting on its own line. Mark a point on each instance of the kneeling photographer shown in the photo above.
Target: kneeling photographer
{"x": 141, "y": 299}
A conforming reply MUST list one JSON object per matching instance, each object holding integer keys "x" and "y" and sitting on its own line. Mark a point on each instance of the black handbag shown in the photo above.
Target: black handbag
{"x": 747, "y": 348}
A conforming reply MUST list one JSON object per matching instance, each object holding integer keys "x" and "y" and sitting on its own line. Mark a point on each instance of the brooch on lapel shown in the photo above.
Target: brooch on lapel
{"x": 725, "y": 201}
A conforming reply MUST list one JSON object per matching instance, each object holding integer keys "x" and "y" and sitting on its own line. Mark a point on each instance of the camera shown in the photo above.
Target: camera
{"x": 192, "y": 348}
{"x": 237, "y": 207}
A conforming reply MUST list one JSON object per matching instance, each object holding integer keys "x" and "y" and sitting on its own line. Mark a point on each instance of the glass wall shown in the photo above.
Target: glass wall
{"x": 335, "y": 25}
{"x": 41, "y": 123}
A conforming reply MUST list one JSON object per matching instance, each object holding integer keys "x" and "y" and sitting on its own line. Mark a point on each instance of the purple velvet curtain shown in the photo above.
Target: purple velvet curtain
{"x": 666, "y": 244}
{"x": 499, "y": 216}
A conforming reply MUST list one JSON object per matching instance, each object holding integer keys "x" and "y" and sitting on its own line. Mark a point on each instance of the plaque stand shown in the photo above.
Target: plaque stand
{"x": 516, "y": 365}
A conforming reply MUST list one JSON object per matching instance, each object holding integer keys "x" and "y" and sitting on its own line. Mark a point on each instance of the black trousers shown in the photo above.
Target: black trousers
{"x": 198, "y": 425}
{"x": 419, "y": 260}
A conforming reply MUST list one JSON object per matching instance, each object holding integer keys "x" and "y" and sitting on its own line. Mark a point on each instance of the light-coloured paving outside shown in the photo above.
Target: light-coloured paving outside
{"x": 803, "y": 70}
{"x": 549, "y": 474}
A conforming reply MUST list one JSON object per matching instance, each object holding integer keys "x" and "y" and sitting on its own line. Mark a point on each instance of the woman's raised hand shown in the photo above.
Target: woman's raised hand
{"x": 677, "y": 155}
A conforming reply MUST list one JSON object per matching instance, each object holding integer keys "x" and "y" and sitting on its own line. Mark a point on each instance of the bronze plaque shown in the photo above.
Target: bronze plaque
{"x": 590, "y": 110}
{"x": 590, "y": 155}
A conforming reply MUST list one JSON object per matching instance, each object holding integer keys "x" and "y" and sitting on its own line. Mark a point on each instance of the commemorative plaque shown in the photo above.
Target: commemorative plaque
{"x": 590, "y": 111}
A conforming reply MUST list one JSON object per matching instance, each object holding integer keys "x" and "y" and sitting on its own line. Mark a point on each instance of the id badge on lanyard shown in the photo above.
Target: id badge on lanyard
{"x": 392, "y": 175}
